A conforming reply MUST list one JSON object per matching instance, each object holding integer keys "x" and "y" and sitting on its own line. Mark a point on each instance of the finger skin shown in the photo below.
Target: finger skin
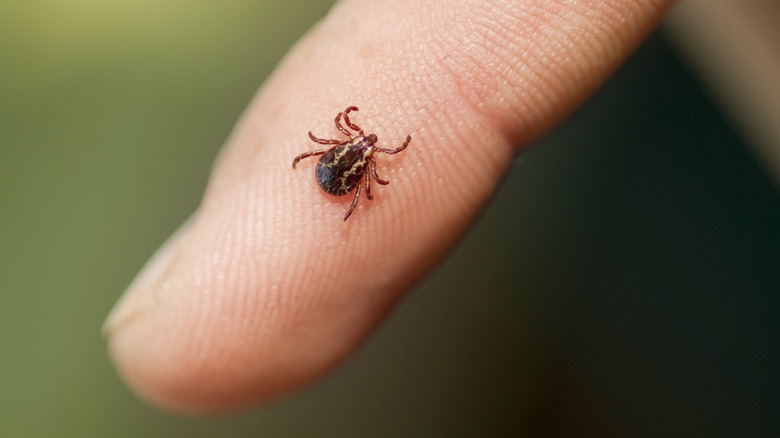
{"x": 266, "y": 288}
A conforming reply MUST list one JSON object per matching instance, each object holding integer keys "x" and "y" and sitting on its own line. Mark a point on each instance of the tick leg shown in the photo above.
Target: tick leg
{"x": 322, "y": 141}
{"x": 395, "y": 151}
{"x": 308, "y": 154}
{"x": 354, "y": 202}
{"x": 346, "y": 120}
{"x": 376, "y": 177}
{"x": 351, "y": 125}
{"x": 368, "y": 187}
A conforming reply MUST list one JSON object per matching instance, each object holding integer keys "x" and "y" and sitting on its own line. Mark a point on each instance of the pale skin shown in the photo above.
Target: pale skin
{"x": 247, "y": 302}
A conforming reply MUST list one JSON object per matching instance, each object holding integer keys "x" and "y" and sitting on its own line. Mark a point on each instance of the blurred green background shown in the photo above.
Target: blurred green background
{"x": 624, "y": 281}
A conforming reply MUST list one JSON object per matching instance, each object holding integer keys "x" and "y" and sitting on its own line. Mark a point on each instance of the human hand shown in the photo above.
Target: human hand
{"x": 266, "y": 288}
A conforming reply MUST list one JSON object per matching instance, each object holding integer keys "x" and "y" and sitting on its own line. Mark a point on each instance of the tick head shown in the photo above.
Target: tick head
{"x": 371, "y": 139}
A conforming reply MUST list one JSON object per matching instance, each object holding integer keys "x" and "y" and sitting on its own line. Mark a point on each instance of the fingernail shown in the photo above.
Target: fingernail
{"x": 142, "y": 294}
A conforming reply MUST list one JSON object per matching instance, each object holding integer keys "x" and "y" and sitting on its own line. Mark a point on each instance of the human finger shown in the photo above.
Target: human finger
{"x": 267, "y": 287}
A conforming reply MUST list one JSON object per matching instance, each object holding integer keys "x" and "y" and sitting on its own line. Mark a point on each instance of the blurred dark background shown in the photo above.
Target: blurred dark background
{"x": 623, "y": 282}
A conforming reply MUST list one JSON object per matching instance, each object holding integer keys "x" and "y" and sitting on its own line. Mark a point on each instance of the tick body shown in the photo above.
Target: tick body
{"x": 346, "y": 164}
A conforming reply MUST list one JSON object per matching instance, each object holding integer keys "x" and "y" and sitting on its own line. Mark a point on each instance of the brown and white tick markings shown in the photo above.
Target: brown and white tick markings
{"x": 342, "y": 167}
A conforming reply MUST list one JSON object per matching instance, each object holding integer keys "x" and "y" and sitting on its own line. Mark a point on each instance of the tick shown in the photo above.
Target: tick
{"x": 343, "y": 166}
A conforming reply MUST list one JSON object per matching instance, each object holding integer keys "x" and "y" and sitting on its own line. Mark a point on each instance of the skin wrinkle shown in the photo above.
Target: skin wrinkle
{"x": 247, "y": 304}
{"x": 468, "y": 168}
{"x": 500, "y": 47}
{"x": 467, "y": 69}
{"x": 555, "y": 83}
{"x": 545, "y": 92}
{"x": 568, "y": 81}
{"x": 220, "y": 276}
